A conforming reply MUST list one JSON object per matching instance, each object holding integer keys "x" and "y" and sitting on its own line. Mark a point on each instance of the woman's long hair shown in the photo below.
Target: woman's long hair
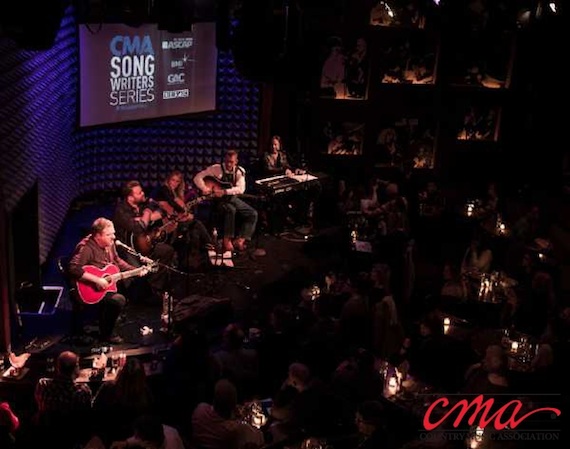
{"x": 181, "y": 189}
{"x": 131, "y": 385}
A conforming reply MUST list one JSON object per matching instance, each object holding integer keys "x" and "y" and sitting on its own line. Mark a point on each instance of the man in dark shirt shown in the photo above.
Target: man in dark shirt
{"x": 98, "y": 250}
{"x": 63, "y": 406}
{"x": 275, "y": 163}
{"x": 135, "y": 220}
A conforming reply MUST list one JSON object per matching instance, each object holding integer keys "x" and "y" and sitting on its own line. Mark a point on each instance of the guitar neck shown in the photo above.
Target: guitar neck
{"x": 195, "y": 201}
{"x": 127, "y": 274}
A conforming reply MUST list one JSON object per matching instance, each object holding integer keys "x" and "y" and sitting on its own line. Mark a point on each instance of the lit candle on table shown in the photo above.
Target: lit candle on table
{"x": 258, "y": 420}
{"x": 514, "y": 346}
{"x": 446, "y": 324}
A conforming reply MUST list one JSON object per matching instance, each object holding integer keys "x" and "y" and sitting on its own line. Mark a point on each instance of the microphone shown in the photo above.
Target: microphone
{"x": 127, "y": 247}
{"x": 132, "y": 251}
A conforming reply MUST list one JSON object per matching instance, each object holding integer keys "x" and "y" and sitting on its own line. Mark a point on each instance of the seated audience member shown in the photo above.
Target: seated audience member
{"x": 309, "y": 409}
{"x": 190, "y": 372}
{"x": 529, "y": 227}
{"x": 215, "y": 426}
{"x": 478, "y": 257}
{"x": 356, "y": 379}
{"x": 277, "y": 348}
{"x": 388, "y": 331}
{"x": 535, "y": 306}
{"x": 150, "y": 433}
{"x": 63, "y": 405}
{"x": 239, "y": 365}
{"x": 9, "y": 424}
{"x": 119, "y": 402}
{"x": 489, "y": 376}
{"x": 372, "y": 425}
{"x": 432, "y": 356}
{"x": 453, "y": 283}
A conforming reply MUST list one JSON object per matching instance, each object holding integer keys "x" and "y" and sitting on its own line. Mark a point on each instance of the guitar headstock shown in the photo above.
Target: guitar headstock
{"x": 149, "y": 268}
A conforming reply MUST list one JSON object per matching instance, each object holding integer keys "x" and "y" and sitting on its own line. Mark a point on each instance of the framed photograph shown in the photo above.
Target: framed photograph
{"x": 484, "y": 61}
{"x": 345, "y": 67}
{"x": 342, "y": 139}
{"x": 398, "y": 13}
{"x": 478, "y": 123}
{"x": 409, "y": 59}
{"x": 406, "y": 139}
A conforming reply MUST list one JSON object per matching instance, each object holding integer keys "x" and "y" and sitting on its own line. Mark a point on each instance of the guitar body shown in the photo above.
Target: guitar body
{"x": 215, "y": 184}
{"x": 144, "y": 243}
{"x": 88, "y": 293}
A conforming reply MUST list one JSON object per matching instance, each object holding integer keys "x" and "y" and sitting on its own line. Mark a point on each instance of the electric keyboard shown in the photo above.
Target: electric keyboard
{"x": 275, "y": 185}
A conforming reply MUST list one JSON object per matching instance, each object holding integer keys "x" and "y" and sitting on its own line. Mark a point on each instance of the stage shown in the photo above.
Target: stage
{"x": 218, "y": 295}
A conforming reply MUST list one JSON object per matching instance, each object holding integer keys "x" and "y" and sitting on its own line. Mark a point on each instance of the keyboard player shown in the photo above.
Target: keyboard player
{"x": 294, "y": 207}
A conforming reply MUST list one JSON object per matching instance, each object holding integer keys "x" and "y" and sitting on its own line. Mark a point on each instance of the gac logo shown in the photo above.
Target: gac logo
{"x": 175, "y": 78}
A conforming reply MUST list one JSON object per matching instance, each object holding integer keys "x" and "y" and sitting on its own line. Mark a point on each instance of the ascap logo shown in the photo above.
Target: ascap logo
{"x": 175, "y": 78}
{"x": 178, "y": 42}
{"x": 506, "y": 417}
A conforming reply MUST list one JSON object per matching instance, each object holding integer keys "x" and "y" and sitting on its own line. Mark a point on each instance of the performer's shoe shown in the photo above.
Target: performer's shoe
{"x": 227, "y": 244}
{"x": 239, "y": 244}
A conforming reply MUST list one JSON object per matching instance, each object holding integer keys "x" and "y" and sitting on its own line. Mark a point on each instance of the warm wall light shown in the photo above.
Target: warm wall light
{"x": 552, "y": 7}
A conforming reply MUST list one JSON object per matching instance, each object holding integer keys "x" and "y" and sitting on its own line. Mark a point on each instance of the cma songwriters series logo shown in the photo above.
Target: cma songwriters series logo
{"x": 132, "y": 71}
{"x": 495, "y": 423}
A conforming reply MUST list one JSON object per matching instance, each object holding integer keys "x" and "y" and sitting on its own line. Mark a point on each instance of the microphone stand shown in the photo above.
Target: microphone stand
{"x": 143, "y": 258}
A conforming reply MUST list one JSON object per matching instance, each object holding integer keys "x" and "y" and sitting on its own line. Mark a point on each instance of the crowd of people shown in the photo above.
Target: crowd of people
{"x": 313, "y": 365}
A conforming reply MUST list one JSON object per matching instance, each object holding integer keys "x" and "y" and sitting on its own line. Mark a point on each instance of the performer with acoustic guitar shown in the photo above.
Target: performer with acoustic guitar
{"x": 190, "y": 236}
{"x": 95, "y": 265}
{"x": 226, "y": 181}
{"x": 133, "y": 219}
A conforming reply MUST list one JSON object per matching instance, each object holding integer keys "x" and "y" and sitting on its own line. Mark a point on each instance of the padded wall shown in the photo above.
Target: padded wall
{"x": 37, "y": 120}
{"x": 147, "y": 151}
{"x": 40, "y": 140}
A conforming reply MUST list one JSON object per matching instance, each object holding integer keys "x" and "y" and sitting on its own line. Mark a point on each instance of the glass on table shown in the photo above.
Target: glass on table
{"x": 115, "y": 361}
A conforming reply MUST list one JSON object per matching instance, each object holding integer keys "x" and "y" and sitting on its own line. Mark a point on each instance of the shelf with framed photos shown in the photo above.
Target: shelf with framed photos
{"x": 345, "y": 68}
{"x": 410, "y": 137}
{"x": 424, "y": 88}
{"x": 404, "y": 58}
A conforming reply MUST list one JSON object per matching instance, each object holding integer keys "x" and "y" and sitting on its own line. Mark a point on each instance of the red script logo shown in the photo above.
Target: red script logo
{"x": 483, "y": 406}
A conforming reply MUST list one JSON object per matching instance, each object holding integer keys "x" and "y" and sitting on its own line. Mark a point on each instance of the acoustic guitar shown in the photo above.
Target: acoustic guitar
{"x": 146, "y": 241}
{"x": 90, "y": 294}
{"x": 217, "y": 185}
